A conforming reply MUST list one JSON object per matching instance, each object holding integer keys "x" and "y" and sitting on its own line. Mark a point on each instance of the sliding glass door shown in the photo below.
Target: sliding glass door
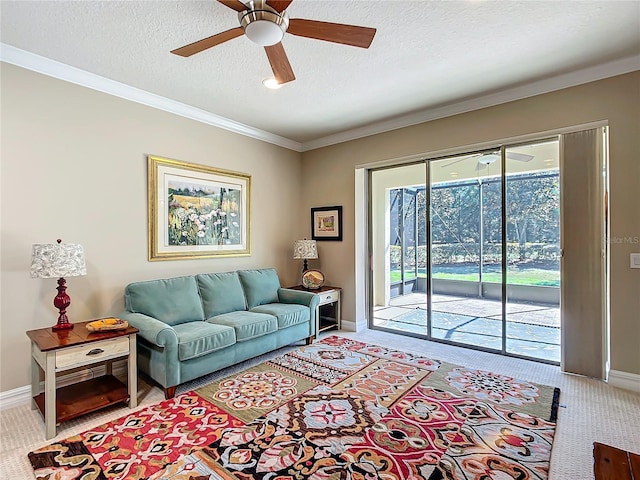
{"x": 465, "y": 224}
{"x": 465, "y": 249}
{"x": 397, "y": 236}
{"x": 532, "y": 203}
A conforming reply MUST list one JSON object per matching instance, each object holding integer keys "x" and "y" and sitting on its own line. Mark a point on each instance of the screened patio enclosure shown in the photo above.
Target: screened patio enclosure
{"x": 440, "y": 268}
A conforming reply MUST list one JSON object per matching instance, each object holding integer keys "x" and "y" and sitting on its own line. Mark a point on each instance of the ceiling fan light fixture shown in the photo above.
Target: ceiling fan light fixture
{"x": 488, "y": 159}
{"x": 264, "y": 27}
{"x": 271, "y": 83}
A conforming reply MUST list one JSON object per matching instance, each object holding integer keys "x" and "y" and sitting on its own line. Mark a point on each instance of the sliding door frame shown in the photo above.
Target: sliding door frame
{"x": 427, "y": 161}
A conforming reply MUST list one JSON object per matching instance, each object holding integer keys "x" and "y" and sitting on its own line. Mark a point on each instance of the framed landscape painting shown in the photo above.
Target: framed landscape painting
{"x": 326, "y": 223}
{"x": 196, "y": 211}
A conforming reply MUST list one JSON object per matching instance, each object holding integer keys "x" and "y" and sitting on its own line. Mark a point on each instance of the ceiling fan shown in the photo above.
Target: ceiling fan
{"x": 486, "y": 159}
{"x": 265, "y": 22}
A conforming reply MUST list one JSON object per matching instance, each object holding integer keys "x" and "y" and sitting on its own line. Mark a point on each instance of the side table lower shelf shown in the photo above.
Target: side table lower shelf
{"x": 84, "y": 397}
{"x": 326, "y": 322}
{"x": 326, "y": 326}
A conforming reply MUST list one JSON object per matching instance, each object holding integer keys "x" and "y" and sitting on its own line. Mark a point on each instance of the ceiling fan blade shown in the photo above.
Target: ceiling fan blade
{"x": 280, "y": 65}
{"x": 279, "y": 5}
{"x": 521, "y": 157}
{"x": 236, "y": 5}
{"x": 332, "y": 32}
{"x": 459, "y": 160}
{"x": 200, "y": 45}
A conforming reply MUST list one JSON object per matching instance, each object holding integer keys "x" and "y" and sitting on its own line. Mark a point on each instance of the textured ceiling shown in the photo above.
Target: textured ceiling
{"x": 425, "y": 56}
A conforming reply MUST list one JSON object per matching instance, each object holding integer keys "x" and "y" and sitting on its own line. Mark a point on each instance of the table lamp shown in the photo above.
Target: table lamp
{"x": 305, "y": 249}
{"x": 58, "y": 260}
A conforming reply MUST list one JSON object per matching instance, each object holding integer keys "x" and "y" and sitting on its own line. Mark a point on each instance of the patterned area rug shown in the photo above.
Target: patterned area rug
{"x": 337, "y": 409}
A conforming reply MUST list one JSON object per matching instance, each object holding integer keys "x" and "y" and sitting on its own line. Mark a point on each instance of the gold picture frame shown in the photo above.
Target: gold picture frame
{"x": 197, "y": 211}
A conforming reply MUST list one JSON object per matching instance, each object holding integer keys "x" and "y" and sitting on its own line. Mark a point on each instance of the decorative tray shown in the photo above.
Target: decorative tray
{"x": 312, "y": 279}
{"x": 107, "y": 324}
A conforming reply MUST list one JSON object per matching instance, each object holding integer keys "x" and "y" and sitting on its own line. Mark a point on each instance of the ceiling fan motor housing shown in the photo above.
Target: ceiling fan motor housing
{"x": 489, "y": 158}
{"x": 263, "y": 24}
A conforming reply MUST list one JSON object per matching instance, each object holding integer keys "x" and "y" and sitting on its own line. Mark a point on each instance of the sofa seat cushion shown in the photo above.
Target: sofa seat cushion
{"x": 288, "y": 314}
{"x": 247, "y": 325}
{"x": 200, "y": 338}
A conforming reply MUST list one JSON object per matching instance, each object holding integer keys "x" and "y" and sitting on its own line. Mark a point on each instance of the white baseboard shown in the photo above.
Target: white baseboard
{"x": 348, "y": 326}
{"x": 15, "y": 398}
{"x": 22, "y": 395}
{"x": 351, "y": 326}
{"x": 628, "y": 381}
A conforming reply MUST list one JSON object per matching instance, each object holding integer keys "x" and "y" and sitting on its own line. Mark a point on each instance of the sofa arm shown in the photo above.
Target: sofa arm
{"x": 287, "y": 295}
{"x": 151, "y": 329}
{"x": 311, "y": 300}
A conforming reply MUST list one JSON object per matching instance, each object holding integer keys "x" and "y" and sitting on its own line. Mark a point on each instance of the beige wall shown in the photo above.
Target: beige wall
{"x": 74, "y": 167}
{"x": 328, "y": 179}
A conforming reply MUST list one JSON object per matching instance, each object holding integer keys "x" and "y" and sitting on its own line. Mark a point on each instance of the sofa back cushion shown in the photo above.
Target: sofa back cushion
{"x": 172, "y": 300}
{"x": 221, "y": 293}
{"x": 260, "y": 286}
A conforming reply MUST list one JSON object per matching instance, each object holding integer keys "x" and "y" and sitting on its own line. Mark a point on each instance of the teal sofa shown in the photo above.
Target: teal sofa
{"x": 194, "y": 325}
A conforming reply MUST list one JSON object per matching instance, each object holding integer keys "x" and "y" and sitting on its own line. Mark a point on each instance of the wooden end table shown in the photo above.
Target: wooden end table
{"x": 328, "y": 311}
{"x": 59, "y": 351}
{"x": 611, "y": 463}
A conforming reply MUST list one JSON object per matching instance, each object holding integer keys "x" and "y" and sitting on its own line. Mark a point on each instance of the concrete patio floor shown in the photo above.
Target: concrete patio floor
{"x": 533, "y": 330}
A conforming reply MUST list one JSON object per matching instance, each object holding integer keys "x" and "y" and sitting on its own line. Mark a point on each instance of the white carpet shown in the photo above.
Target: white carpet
{"x": 592, "y": 410}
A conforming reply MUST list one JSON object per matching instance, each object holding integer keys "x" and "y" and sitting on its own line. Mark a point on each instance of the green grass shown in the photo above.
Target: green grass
{"x": 516, "y": 276}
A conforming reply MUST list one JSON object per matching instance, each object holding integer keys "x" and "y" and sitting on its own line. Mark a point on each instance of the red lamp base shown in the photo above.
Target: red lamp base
{"x": 61, "y": 302}
{"x": 62, "y": 326}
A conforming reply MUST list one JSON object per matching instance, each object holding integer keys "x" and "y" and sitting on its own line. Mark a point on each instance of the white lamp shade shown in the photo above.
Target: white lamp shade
{"x": 304, "y": 249}
{"x": 55, "y": 260}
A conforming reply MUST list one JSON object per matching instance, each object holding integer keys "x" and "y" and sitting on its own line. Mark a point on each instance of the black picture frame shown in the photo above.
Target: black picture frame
{"x": 326, "y": 223}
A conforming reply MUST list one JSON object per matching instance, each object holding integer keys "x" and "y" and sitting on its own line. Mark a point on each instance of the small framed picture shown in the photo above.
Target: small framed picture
{"x": 326, "y": 223}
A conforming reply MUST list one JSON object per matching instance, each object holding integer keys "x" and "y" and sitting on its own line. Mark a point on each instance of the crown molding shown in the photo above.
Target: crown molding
{"x": 579, "y": 77}
{"x": 52, "y": 68}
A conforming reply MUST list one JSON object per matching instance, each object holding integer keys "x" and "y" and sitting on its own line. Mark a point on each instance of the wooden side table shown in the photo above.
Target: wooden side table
{"x": 611, "y": 463}
{"x": 328, "y": 311}
{"x": 59, "y": 351}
